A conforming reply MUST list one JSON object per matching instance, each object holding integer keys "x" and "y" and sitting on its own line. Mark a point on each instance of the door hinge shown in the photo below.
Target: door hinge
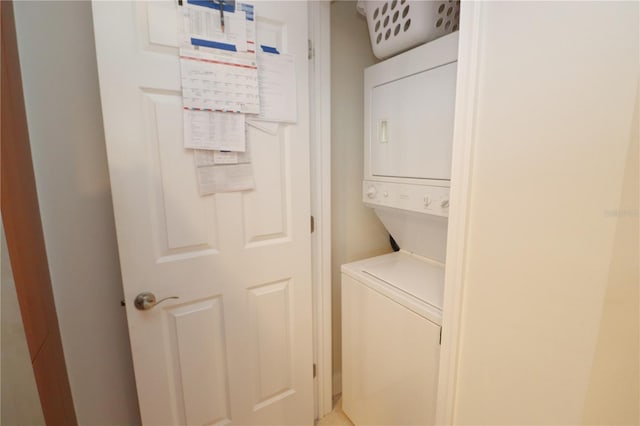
{"x": 314, "y": 371}
{"x": 440, "y": 342}
{"x": 310, "y": 49}
{"x": 313, "y": 224}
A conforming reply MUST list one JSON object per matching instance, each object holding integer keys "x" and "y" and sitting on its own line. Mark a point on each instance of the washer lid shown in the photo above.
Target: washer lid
{"x": 417, "y": 276}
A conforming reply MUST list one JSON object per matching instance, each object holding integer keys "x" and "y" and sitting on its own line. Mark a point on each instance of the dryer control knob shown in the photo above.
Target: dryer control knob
{"x": 371, "y": 191}
{"x": 444, "y": 204}
{"x": 427, "y": 201}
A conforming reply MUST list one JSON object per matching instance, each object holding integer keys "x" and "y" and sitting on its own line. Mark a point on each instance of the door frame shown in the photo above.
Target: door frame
{"x": 22, "y": 227}
{"x": 320, "y": 163}
{"x": 469, "y": 51}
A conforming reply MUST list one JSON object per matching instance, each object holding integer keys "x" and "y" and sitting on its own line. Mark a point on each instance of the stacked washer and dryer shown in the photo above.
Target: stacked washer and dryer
{"x": 392, "y": 304}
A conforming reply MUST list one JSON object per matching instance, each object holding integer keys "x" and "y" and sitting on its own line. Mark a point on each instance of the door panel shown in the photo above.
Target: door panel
{"x": 196, "y": 337}
{"x": 267, "y": 218}
{"x": 236, "y": 346}
{"x": 186, "y": 220}
{"x": 270, "y": 306}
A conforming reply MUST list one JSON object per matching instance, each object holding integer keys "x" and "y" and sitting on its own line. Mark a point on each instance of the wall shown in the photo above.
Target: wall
{"x": 550, "y": 311}
{"x": 20, "y": 404}
{"x": 57, "y": 54}
{"x": 613, "y": 394}
{"x": 356, "y": 231}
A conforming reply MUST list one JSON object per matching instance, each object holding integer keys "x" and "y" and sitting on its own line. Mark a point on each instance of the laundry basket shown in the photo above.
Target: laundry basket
{"x": 398, "y": 25}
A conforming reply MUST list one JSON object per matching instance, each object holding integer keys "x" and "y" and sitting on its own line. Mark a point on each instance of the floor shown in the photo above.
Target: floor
{"x": 336, "y": 417}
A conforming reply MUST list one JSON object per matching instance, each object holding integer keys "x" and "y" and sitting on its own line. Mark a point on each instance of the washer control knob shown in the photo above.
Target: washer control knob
{"x": 427, "y": 201}
{"x": 386, "y": 194}
{"x": 371, "y": 191}
{"x": 444, "y": 204}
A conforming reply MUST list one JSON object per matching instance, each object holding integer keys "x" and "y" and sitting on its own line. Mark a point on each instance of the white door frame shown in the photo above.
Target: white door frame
{"x": 469, "y": 51}
{"x": 320, "y": 110}
{"x": 462, "y": 161}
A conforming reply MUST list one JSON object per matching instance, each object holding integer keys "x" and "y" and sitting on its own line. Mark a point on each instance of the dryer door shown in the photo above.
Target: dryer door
{"x": 411, "y": 125}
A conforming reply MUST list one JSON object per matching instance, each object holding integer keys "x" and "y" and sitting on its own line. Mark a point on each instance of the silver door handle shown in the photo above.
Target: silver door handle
{"x": 146, "y": 300}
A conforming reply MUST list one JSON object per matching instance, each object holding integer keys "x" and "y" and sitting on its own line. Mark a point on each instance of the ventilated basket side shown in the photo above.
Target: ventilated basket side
{"x": 398, "y": 25}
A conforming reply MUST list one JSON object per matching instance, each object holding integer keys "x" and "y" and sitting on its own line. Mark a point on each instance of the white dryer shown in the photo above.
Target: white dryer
{"x": 392, "y": 304}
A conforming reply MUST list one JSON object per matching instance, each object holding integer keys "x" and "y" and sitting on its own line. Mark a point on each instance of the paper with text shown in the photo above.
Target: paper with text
{"x": 211, "y": 158}
{"x": 251, "y": 25}
{"x": 217, "y": 82}
{"x": 202, "y": 26}
{"x": 277, "y": 82}
{"x": 214, "y": 130}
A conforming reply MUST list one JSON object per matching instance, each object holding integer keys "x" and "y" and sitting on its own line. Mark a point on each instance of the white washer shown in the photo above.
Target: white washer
{"x": 391, "y": 318}
{"x": 392, "y": 304}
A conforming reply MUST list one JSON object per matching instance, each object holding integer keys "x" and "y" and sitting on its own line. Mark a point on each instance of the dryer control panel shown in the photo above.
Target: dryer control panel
{"x": 418, "y": 198}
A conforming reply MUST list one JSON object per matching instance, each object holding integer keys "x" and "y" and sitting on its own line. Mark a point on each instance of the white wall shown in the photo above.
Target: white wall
{"x": 356, "y": 231}
{"x": 57, "y": 54}
{"x": 550, "y": 314}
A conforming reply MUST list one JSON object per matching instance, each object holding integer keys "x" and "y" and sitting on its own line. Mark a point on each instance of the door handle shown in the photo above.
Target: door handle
{"x": 146, "y": 300}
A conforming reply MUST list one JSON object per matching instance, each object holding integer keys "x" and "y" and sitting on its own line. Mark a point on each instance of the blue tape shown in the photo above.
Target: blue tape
{"x": 213, "y": 44}
{"x": 269, "y": 49}
{"x": 228, "y": 7}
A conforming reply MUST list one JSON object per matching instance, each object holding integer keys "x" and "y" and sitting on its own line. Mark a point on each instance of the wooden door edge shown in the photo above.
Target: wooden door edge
{"x": 25, "y": 239}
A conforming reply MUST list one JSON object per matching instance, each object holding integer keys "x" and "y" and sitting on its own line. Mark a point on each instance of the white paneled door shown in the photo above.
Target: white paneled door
{"x": 236, "y": 346}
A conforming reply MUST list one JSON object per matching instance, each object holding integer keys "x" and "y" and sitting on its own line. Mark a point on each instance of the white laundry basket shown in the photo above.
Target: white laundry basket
{"x": 398, "y": 25}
